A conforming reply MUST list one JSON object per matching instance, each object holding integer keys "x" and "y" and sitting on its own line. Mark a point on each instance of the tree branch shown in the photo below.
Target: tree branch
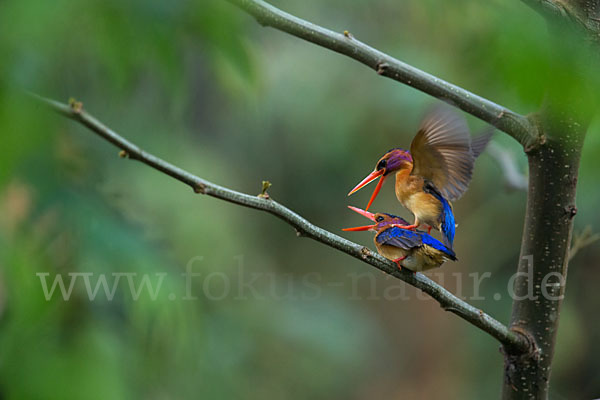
{"x": 513, "y": 178}
{"x": 516, "y": 125}
{"x": 542, "y": 273}
{"x": 581, "y": 240}
{"x": 510, "y": 339}
{"x": 583, "y": 15}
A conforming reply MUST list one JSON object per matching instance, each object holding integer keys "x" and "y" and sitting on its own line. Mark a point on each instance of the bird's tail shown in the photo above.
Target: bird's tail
{"x": 450, "y": 253}
{"x": 448, "y": 223}
{"x": 436, "y": 244}
{"x": 480, "y": 142}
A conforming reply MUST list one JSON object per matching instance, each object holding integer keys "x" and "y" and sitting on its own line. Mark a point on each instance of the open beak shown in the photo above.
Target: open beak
{"x": 364, "y": 213}
{"x": 370, "y": 178}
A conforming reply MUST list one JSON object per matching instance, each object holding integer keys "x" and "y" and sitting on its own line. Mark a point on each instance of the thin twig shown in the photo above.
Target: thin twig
{"x": 516, "y": 125}
{"x": 513, "y": 178}
{"x": 582, "y": 239}
{"x": 511, "y": 340}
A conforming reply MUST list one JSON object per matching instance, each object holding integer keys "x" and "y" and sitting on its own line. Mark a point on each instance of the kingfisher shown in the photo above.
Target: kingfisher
{"x": 436, "y": 171}
{"x": 415, "y": 250}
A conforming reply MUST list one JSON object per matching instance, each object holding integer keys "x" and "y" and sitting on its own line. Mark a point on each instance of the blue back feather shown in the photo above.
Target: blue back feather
{"x": 407, "y": 239}
{"x": 396, "y": 232}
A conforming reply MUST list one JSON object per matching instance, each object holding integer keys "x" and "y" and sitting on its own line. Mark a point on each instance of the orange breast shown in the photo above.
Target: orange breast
{"x": 409, "y": 192}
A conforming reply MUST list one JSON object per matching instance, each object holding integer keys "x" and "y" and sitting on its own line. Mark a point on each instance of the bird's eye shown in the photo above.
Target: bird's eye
{"x": 382, "y": 164}
{"x": 379, "y": 219}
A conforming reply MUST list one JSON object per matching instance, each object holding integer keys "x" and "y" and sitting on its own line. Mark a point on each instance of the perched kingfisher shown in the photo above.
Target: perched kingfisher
{"x": 413, "y": 250}
{"x": 436, "y": 170}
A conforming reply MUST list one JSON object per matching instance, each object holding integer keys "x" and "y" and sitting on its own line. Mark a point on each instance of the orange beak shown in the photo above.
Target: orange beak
{"x": 370, "y": 178}
{"x": 364, "y": 213}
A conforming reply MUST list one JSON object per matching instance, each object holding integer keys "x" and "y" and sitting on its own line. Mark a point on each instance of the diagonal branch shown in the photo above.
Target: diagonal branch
{"x": 516, "y": 125}
{"x": 510, "y": 339}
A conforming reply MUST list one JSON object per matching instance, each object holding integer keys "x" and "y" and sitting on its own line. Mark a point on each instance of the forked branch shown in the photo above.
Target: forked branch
{"x": 510, "y": 339}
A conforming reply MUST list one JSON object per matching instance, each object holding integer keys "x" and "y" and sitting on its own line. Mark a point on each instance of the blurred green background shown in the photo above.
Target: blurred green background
{"x": 201, "y": 84}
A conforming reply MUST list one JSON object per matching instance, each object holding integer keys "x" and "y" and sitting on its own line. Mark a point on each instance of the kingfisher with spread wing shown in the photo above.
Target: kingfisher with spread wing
{"x": 413, "y": 250}
{"x": 436, "y": 171}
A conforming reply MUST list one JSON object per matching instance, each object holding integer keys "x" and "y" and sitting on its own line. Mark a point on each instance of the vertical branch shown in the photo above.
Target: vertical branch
{"x": 542, "y": 273}
{"x": 553, "y": 170}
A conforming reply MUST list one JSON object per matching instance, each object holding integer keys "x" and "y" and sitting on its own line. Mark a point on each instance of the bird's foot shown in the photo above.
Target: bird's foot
{"x": 409, "y": 227}
{"x": 429, "y": 230}
{"x": 398, "y": 226}
{"x": 397, "y": 261}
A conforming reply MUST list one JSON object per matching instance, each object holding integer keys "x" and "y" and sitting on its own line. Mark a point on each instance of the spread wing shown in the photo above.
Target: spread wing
{"x": 479, "y": 143}
{"x": 442, "y": 152}
{"x": 398, "y": 237}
